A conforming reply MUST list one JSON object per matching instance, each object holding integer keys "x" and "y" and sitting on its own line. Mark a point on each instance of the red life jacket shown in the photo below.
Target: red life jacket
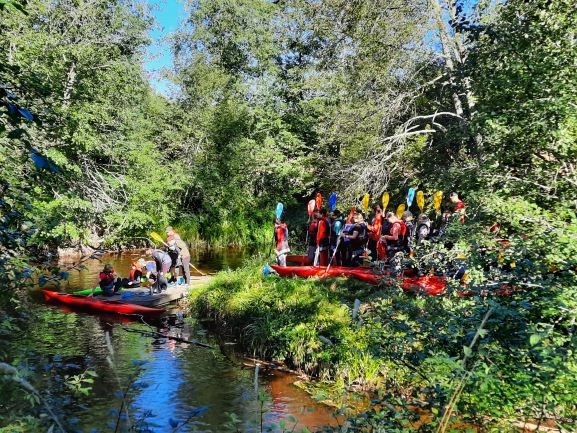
{"x": 375, "y": 228}
{"x": 281, "y": 234}
{"x": 323, "y": 232}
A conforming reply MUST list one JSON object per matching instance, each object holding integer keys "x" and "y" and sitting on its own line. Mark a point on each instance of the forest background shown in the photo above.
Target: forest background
{"x": 279, "y": 100}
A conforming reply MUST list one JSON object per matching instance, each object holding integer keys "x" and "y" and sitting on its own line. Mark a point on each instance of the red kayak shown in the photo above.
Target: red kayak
{"x": 101, "y": 304}
{"x": 298, "y": 260}
{"x": 319, "y": 271}
{"x": 431, "y": 285}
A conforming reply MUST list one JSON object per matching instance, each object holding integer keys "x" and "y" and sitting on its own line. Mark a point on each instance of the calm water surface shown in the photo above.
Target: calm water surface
{"x": 167, "y": 381}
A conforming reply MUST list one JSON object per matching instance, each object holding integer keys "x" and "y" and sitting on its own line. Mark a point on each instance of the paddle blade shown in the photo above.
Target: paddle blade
{"x": 338, "y": 227}
{"x": 437, "y": 199}
{"x": 410, "y": 196}
{"x": 386, "y": 198}
{"x": 420, "y": 200}
{"x": 400, "y": 210}
{"x": 366, "y": 199}
{"x": 26, "y": 114}
{"x": 351, "y": 215}
{"x": 319, "y": 201}
{"x": 266, "y": 270}
{"x": 279, "y": 210}
{"x": 332, "y": 202}
{"x": 311, "y": 207}
{"x": 156, "y": 237}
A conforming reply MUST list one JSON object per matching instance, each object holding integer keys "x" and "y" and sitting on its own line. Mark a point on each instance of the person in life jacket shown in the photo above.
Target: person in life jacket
{"x": 423, "y": 231}
{"x": 134, "y": 277}
{"x": 178, "y": 246}
{"x": 323, "y": 238}
{"x": 109, "y": 281}
{"x": 458, "y": 206}
{"x": 408, "y": 241}
{"x": 337, "y": 225}
{"x": 281, "y": 247}
{"x": 357, "y": 237}
{"x": 395, "y": 240}
{"x": 374, "y": 231}
{"x": 312, "y": 239}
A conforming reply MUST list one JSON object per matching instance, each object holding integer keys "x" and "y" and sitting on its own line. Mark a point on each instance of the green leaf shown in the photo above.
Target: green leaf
{"x": 534, "y": 339}
{"x": 468, "y": 351}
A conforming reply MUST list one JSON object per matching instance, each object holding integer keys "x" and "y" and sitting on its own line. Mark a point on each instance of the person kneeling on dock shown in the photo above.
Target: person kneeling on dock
{"x": 109, "y": 281}
{"x": 134, "y": 277}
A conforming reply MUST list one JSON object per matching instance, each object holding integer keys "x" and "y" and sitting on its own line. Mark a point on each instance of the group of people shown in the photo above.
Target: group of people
{"x": 164, "y": 268}
{"x": 351, "y": 242}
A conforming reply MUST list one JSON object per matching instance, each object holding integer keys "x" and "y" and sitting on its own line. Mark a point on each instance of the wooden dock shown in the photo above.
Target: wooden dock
{"x": 142, "y": 296}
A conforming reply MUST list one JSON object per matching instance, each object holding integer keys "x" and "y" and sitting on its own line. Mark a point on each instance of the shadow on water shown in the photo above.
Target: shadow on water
{"x": 167, "y": 381}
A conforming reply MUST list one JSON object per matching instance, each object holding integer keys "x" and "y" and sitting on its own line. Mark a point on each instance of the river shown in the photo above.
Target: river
{"x": 168, "y": 382}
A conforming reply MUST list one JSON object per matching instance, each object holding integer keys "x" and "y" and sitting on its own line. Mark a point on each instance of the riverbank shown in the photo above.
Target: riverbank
{"x": 410, "y": 351}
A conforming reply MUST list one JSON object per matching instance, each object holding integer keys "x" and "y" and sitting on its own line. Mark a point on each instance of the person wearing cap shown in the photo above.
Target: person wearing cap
{"x": 179, "y": 252}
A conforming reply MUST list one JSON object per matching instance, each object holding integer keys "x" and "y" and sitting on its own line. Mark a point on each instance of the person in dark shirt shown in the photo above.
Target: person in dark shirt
{"x": 357, "y": 237}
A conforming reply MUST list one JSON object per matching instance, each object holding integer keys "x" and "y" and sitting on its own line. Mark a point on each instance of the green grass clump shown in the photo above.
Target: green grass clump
{"x": 304, "y": 323}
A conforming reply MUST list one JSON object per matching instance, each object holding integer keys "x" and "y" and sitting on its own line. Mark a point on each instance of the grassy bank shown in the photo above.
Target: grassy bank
{"x": 414, "y": 351}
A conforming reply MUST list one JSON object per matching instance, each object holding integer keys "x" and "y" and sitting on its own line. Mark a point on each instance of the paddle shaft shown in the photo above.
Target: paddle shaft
{"x": 334, "y": 253}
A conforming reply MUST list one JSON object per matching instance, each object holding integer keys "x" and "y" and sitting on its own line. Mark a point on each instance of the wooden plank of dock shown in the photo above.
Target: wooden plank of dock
{"x": 142, "y": 296}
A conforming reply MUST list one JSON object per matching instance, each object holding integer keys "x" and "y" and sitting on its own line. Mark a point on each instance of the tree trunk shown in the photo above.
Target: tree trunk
{"x": 69, "y": 85}
{"x": 448, "y": 48}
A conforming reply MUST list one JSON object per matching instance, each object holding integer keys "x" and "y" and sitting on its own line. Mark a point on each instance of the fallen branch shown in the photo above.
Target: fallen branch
{"x": 169, "y": 337}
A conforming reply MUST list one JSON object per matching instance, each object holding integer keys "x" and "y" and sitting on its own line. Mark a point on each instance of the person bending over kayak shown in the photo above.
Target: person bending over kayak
{"x": 323, "y": 238}
{"x": 175, "y": 243}
{"x": 158, "y": 269}
{"x": 109, "y": 281}
{"x": 281, "y": 247}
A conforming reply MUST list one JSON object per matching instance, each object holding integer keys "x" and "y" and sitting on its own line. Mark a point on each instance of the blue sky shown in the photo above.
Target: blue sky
{"x": 168, "y": 15}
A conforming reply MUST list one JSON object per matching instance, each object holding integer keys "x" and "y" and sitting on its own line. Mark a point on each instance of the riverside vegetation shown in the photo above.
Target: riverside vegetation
{"x": 279, "y": 100}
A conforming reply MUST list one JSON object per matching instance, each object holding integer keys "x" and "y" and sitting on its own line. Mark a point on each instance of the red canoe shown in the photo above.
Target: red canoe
{"x": 101, "y": 304}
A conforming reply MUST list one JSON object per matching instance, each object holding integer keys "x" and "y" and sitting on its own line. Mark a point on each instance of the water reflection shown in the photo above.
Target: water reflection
{"x": 177, "y": 381}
